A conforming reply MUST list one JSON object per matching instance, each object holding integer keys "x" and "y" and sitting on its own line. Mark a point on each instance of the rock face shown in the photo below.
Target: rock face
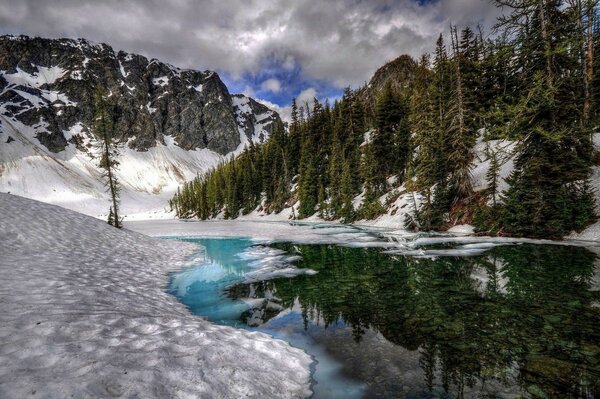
{"x": 399, "y": 74}
{"x": 49, "y": 85}
{"x": 256, "y": 119}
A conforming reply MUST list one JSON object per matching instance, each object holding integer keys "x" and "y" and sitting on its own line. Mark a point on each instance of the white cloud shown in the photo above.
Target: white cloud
{"x": 306, "y": 96}
{"x": 248, "y": 91}
{"x": 272, "y": 85}
{"x": 339, "y": 41}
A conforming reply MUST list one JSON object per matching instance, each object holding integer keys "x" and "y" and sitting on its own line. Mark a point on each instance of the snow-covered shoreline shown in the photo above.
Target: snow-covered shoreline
{"x": 84, "y": 313}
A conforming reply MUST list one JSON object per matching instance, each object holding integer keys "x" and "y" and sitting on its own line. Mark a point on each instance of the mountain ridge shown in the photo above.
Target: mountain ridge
{"x": 170, "y": 122}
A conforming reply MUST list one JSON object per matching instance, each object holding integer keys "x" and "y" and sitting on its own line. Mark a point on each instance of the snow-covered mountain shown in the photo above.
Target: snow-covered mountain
{"x": 172, "y": 124}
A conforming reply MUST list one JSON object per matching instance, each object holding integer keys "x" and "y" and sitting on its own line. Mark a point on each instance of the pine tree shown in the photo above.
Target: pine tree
{"x": 492, "y": 176}
{"x": 553, "y": 155}
{"x": 111, "y": 217}
{"x": 388, "y": 118}
{"x": 346, "y": 212}
{"x": 370, "y": 207}
{"x": 104, "y": 130}
{"x": 460, "y": 140}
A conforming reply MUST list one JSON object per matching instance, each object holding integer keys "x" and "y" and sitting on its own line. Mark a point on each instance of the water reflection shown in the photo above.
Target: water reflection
{"x": 518, "y": 321}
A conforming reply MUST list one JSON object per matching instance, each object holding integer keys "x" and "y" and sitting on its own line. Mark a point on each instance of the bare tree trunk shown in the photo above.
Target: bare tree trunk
{"x": 459, "y": 91}
{"x": 547, "y": 50}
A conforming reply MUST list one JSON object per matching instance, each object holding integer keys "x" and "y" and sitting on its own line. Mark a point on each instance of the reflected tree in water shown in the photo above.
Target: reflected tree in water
{"x": 515, "y": 316}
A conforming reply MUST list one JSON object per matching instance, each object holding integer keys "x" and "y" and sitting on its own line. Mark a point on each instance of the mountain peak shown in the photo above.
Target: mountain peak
{"x": 52, "y": 81}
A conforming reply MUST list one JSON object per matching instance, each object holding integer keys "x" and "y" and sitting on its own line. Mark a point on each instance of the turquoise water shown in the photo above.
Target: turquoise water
{"x": 516, "y": 321}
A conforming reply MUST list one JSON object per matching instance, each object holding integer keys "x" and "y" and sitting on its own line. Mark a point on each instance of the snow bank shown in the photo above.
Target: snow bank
{"x": 83, "y": 313}
{"x": 259, "y": 231}
{"x": 459, "y": 229}
{"x": 592, "y": 233}
{"x": 72, "y": 179}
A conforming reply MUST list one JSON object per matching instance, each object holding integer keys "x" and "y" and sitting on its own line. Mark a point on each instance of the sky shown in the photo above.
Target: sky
{"x": 272, "y": 50}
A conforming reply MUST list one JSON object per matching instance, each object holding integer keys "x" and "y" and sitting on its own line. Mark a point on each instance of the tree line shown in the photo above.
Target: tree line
{"x": 534, "y": 82}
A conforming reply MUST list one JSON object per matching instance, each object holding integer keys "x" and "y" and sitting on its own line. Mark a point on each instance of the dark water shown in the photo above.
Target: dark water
{"x": 517, "y": 321}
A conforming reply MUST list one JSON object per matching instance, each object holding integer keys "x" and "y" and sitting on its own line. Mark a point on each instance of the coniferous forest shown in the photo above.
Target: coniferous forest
{"x": 534, "y": 82}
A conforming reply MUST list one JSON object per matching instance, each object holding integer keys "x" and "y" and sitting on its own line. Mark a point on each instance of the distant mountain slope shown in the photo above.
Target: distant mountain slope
{"x": 172, "y": 123}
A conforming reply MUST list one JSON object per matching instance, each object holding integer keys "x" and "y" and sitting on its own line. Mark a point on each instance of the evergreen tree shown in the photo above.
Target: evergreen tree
{"x": 492, "y": 176}
{"x": 459, "y": 140}
{"x": 346, "y": 212}
{"x": 104, "y": 129}
{"x": 388, "y": 117}
{"x": 553, "y": 156}
{"x": 534, "y": 84}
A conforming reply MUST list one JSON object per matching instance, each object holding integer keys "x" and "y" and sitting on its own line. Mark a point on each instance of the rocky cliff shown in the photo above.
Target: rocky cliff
{"x": 50, "y": 84}
{"x": 172, "y": 124}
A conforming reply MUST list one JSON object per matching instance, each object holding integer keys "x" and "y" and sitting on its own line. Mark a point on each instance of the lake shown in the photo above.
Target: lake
{"x": 518, "y": 320}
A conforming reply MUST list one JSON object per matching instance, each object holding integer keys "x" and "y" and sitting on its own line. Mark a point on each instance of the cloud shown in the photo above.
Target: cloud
{"x": 306, "y": 97}
{"x": 272, "y": 85}
{"x": 284, "y": 112}
{"x": 248, "y": 91}
{"x": 330, "y": 44}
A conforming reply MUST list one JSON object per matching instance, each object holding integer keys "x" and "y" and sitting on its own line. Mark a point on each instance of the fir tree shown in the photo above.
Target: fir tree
{"x": 104, "y": 129}
{"x": 553, "y": 155}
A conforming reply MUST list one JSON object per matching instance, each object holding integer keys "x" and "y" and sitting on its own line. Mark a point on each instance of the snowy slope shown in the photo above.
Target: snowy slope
{"x": 172, "y": 124}
{"x": 72, "y": 179}
{"x": 84, "y": 314}
{"x": 592, "y": 233}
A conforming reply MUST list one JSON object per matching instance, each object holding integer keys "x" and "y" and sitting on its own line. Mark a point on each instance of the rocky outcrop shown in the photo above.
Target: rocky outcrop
{"x": 49, "y": 84}
{"x": 399, "y": 74}
{"x": 255, "y": 119}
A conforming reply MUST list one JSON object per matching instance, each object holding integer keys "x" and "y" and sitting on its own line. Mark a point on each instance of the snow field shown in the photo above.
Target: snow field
{"x": 84, "y": 313}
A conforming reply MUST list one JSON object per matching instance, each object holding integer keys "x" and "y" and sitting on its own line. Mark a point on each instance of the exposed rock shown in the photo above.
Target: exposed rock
{"x": 399, "y": 73}
{"x": 50, "y": 83}
{"x": 256, "y": 119}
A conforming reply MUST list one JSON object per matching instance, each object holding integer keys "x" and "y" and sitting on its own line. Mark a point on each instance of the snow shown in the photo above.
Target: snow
{"x": 122, "y": 69}
{"x": 466, "y": 229}
{"x": 398, "y": 242}
{"x": 72, "y": 179}
{"x": 161, "y": 81}
{"x": 84, "y": 313}
{"x": 243, "y": 110}
{"x": 36, "y": 80}
{"x": 268, "y": 263}
{"x": 199, "y": 88}
{"x": 505, "y": 153}
{"x": 76, "y": 129}
{"x": 76, "y": 75}
{"x": 43, "y": 76}
{"x": 368, "y": 137}
{"x": 592, "y": 232}
{"x": 242, "y": 103}
{"x": 34, "y": 100}
{"x": 149, "y": 108}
